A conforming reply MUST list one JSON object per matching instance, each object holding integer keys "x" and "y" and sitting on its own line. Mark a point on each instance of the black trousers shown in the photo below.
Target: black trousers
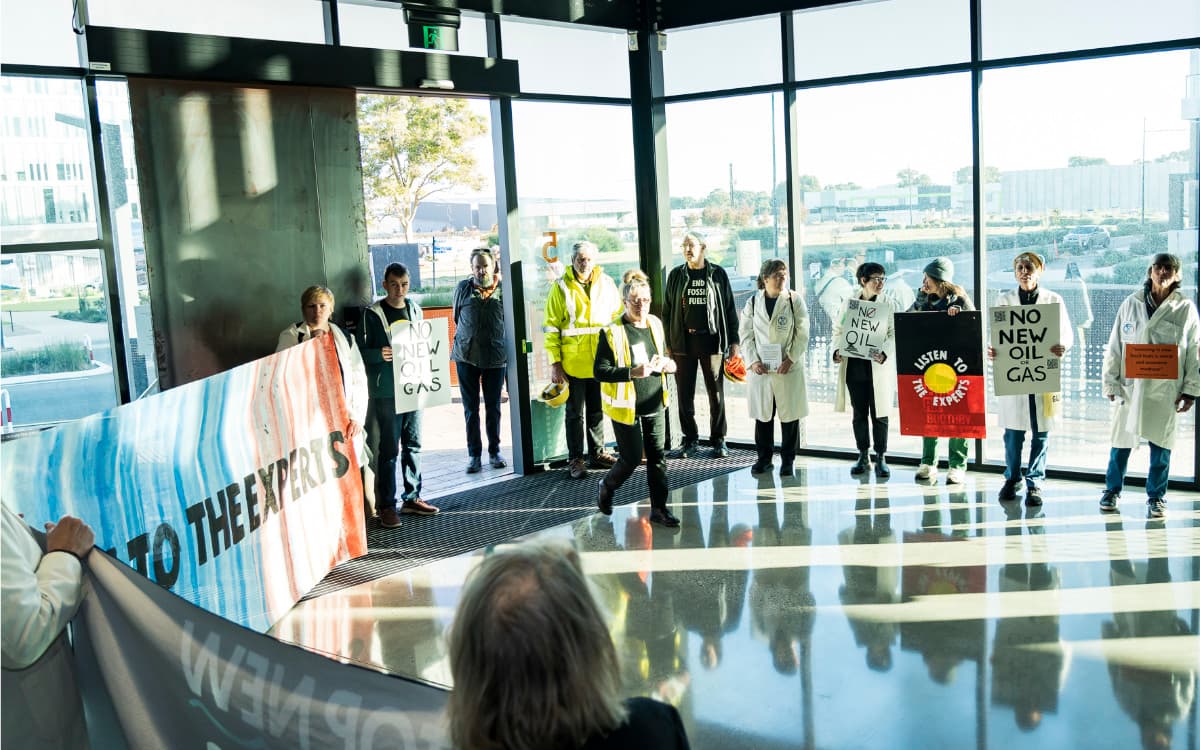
{"x": 584, "y": 395}
{"x": 862, "y": 401}
{"x": 764, "y": 439}
{"x": 714, "y": 381}
{"x": 646, "y": 435}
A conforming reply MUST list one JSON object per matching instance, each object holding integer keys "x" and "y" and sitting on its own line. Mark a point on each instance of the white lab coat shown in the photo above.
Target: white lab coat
{"x": 787, "y": 326}
{"x": 1013, "y": 411}
{"x": 883, "y": 376}
{"x": 354, "y": 375}
{"x": 1146, "y": 408}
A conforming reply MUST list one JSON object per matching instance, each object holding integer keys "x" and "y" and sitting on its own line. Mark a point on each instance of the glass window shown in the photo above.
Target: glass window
{"x": 1028, "y": 27}
{"x": 727, "y": 181}
{"x": 384, "y": 28}
{"x": 1097, "y": 195}
{"x": 287, "y": 20}
{"x": 567, "y": 59}
{"x": 45, "y": 162}
{"x": 56, "y": 358}
{"x": 877, "y": 188}
{"x": 566, "y": 194}
{"x": 723, "y": 56}
{"x": 37, "y": 33}
{"x": 856, "y": 38}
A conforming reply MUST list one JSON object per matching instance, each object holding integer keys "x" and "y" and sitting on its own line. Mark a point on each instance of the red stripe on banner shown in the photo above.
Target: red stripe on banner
{"x": 959, "y": 413}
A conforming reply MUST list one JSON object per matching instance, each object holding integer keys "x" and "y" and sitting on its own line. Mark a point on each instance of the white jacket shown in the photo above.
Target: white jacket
{"x": 354, "y": 373}
{"x": 1146, "y": 408}
{"x": 1013, "y": 411}
{"x": 883, "y": 376}
{"x": 787, "y": 326}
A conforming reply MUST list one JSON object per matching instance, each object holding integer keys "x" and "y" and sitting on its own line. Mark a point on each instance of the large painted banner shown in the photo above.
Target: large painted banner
{"x": 238, "y": 492}
{"x": 157, "y": 672}
{"x": 864, "y": 328}
{"x": 420, "y": 363}
{"x": 939, "y": 372}
{"x": 1022, "y": 336}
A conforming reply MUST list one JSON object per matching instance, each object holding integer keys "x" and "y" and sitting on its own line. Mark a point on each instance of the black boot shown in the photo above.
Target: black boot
{"x": 861, "y": 466}
{"x": 881, "y": 467}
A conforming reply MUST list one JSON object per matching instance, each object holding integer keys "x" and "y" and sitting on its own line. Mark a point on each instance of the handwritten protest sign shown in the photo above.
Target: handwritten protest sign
{"x": 421, "y": 364}
{"x": 939, "y": 375}
{"x": 1152, "y": 361}
{"x": 864, "y": 327}
{"x": 1022, "y": 336}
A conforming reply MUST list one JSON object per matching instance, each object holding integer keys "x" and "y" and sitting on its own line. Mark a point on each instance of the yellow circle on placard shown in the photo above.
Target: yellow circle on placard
{"x": 940, "y": 378}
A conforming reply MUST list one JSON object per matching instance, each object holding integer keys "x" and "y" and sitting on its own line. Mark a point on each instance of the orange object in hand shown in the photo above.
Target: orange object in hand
{"x": 735, "y": 370}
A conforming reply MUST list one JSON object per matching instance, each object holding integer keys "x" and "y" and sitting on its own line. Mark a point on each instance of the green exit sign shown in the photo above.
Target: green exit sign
{"x": 439, "y": 37}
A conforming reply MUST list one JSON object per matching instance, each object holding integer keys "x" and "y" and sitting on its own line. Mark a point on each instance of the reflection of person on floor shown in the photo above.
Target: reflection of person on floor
{"x": 871, "y": 584}
{"x": 782, "y": 607}
{"x": 409, "y": 643}
{"x": 1026, "y": 679}
{"x": 1153, "y": 698}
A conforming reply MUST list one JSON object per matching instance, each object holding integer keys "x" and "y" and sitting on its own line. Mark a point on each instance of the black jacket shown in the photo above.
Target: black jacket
{"x": 651, "y": 725}
{"x": 478, "y": 327}
{"x": 722, "y": 309}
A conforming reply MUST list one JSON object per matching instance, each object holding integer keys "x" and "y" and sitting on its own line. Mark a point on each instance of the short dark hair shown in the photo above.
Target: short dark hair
{"x": 770, "y": 267}
{"x": 399, "y": 270}
{"x": 867, "y": 270}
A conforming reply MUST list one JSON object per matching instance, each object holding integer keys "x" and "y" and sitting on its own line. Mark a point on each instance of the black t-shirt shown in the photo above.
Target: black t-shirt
{"x": 393, "y": 314}
{"x": 648, "y": 389}
{"x": 651, "y": 725}
{"x": 695, "y": 297}
{"x": 770, "y": 304}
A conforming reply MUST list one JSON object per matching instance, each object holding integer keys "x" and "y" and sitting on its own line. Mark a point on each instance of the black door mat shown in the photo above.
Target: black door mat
{"x": 500, "y": 512}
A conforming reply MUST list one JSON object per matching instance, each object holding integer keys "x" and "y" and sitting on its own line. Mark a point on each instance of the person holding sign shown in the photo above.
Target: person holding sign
{"x": 480, "y": 354}
{"x": 1150, "y": 372}
{"x": 939, "y": 293}
{"x": 399, "y": 434}
{"x": 865, "y": 335}
{"x": 774, "y": 334}
{"x": 632, "y": 367}
{"x": 1035, "y": 413}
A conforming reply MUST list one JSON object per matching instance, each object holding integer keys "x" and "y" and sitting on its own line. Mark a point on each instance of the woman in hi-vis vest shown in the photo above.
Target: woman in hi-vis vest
{"x": 632, "y": 367}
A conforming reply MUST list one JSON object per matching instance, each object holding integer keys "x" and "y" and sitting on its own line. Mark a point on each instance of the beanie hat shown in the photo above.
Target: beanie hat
{"x": 940, "y": 269}
{"x": 1029, "y": 257}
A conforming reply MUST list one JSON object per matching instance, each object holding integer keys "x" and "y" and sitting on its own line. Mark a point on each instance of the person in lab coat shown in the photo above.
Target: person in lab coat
{"x": 1037, "y": 413}
{"x": 774, "y": 335}
{"x": 1158, "y": 313}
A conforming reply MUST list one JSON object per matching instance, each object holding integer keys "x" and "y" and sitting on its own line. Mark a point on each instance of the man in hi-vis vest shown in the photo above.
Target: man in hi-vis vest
{"x": 581, "y": 303}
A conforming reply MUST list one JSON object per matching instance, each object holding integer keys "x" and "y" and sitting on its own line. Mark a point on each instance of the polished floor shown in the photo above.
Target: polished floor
{"x": 822, "y": 611}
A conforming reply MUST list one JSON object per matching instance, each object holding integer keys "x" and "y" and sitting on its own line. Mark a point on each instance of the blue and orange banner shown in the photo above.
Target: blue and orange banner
{"x": 239, "y": 492}
{"x": 939, "y": 374}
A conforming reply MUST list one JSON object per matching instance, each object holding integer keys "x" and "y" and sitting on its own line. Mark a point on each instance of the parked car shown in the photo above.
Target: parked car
{"x": 1087, "y": 237}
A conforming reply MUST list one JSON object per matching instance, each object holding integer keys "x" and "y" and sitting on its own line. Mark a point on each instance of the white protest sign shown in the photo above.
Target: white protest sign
{"x": 864, "y": 328}
{"x": 420, "y": 363}
{"x": 1022, "y": 336}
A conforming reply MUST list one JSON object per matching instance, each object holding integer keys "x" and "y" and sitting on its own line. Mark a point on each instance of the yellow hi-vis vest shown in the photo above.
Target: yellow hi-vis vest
{"x": 619, "y": 400}
{"x": 575, "y": 317}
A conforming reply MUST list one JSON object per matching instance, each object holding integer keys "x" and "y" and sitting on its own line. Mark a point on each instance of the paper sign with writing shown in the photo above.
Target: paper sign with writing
{"x": 864, "y": 327}
{"x": 1022, "y": 336}
{"x": 1152, "y": 361}
{"x": 420, "y": 363}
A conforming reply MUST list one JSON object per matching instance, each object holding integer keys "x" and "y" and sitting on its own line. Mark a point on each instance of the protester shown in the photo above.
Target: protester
{"x": 399, "y": 434}
{"x": 534, "y": 665}
{"x": 480, "y": 355}
{"x": 939, "y": 293}
{"x": 1035, "y": 413}
{"x": 1158, "y": 313}
{"x": 774, "y": 335}
{"x": 833, "y": 288}
{"x": 581, "y": 302}
{"x": 871, "y": 383}
{"x": 632, "y": 367}
{"x": 41, "y": 592}
{"x": 702, "y": 330}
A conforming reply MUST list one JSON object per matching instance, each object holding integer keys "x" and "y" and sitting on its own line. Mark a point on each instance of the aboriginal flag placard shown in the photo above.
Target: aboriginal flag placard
{"x": 939, "y": 374}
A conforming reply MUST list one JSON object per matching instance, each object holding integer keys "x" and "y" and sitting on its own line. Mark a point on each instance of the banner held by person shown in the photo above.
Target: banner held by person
{"x": 239, "y": 492}
{"x": 939, "y": 374}
{"x": 1022, "y": 336}
{"x": 864, "y": 328}
{"x": 421, "y": 363}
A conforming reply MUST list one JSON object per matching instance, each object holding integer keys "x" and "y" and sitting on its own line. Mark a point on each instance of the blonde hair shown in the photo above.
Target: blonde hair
{"x": 313, "y": 293}
{"x": 634, "y": 278}
{"x": 532, "y": 660}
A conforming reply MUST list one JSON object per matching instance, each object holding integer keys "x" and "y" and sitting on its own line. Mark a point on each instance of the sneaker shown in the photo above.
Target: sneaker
{"x": 955, "y": 476}
{"x": 418, "y": 507}
{"x": 687, "y": 450}
{"x": 760, "y": 467}
{"x": 602, "y": 460}
{"x": 720, "y": 450}
{"x": 1033, "y": 497}
{"x": 663, "y": 517}
{"x": 927, "y": 471}
{"x": 1156, "y": 507}
{"x": 497, "y": 461}
{"x": 881, "y": 467}
{"x": 474, "y": 466}
{"x": 604, "y": 498}
{"x": 389, "y": 518}
{"x": 576, "y": 468}
{"x": 1108, "y": 501}
{"x": 1009, "y": 490}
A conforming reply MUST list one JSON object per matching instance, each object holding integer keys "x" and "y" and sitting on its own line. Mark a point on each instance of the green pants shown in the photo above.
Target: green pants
{"x": 958, "y": 452}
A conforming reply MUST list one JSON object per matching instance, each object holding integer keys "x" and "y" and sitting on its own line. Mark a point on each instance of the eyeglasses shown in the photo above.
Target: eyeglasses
{"x": 781, "y": 276}
{"x": 877, "y": 279}
{"x": 1027, "y": 267}
{"x": 637, "y": 301}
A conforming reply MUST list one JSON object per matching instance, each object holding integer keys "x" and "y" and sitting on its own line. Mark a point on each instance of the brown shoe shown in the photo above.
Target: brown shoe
{"x": 418, "y": 507}
{"x": 577, "y": 468}
{"x": 389, "y": 518}
{"x": 602, "y": 460}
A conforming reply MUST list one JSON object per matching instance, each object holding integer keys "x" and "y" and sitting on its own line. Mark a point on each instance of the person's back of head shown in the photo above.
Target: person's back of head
{"x": 531, "y": 657}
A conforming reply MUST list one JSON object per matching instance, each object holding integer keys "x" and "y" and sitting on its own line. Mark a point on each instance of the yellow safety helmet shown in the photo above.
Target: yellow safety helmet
{"x": 555, "y": 394}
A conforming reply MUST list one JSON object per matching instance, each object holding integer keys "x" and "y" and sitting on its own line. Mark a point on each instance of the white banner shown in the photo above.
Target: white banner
{"x": 1022, "y": 336}
{"x": 421, "y": 364}
{"x": 864, "y": 328}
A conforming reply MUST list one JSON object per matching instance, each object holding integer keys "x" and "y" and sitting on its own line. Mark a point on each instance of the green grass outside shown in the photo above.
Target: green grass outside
{"x": 61, "y": 357}
{"x": 52, "y": 304}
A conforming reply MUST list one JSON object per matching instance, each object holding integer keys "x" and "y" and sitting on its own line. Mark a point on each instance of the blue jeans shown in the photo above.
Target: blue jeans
{"x": 1156, "y": 477}
{"x": 399, "y": 434}
{"x": 471, "y": 380}
{"x": 1014, "y": 441}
